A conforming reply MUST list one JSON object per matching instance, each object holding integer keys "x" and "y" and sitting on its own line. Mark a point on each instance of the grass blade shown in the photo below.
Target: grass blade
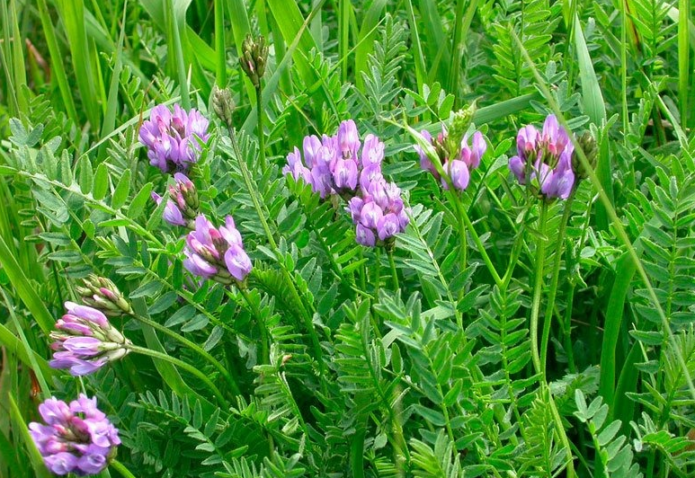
{"x": 614, "y": 319}
{"x": 683, "y": 59}
{"x": 73, "y": 14}
{"x": 57, "y": 61}
{"x": 592, "y": 98}
{"x": 24, "y": 289}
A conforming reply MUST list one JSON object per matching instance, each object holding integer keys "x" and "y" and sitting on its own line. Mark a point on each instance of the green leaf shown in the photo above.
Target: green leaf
{"x": 120, "y": 195}
{"x": 139, "y": 201}
{"x": 101, "y": 182}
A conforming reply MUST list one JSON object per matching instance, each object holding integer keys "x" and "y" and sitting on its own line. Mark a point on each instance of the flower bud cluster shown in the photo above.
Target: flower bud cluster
{"x": 102, "y": 294}
{"x": 183, "y": 204}
{"x": 456, "y": 165}
{"x": 254, "y": 56}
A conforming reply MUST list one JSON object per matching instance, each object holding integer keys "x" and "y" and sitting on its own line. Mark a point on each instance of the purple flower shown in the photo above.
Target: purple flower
{"x": 458, "y": 173}
{"x": 172, "y": 140}
{"x": 334, "y": 164}
{"x": 348, "y": 139}
{"x": 471, "y": 155}
{"x": 459, "y": 166}
{"x": 76, "y": 439}
{"x": 545, "y": 159}
{"x": 85, "y": 341}
{"x": 372, "y": 152}
{"x": 172, "y": 214}
{"x": 345, "y": 174}
{"x": 378, "y": 213}
{"x": 216, "y": 253}
{"x": 425, "y": 161}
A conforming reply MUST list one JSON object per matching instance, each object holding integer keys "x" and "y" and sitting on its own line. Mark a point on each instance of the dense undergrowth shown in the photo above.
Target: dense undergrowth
{"x": 482, "y": 299}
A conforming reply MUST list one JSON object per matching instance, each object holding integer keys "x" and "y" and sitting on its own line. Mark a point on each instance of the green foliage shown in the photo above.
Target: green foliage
{"x": 336, "y": 360}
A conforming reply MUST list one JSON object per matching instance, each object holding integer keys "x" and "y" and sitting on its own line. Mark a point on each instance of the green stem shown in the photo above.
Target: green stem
{"x": 478, "y": 242}
{"x": 265, "y": 353}
{"x": 548, "y": 319}
{"x": 220, "y": 50}
{"x": 193, "y": 346}
{"x": 357, "y": 451}
{"x": 538, "y": 289}
{"x": 377, "y": 281}
{"x": 463, "y": 241}
{"x": 514, "y": 258}
{"x": 182, "y": 365}
{"x": 394, "y": 272}
{"x": 253, "y": 192}
{"x": 261, "y": 134}
{"x": 121, "y": 469}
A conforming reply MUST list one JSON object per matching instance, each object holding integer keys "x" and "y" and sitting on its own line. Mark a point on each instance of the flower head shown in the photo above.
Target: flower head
{"x": 77, "y": 438}
{"x": 216, "y": 253}
{"x": 172, "y": 139}
{"x": 333, "y": 165}
{"x": 378, "y": 213}
{"x": 85, "y": 341}
{"x": 545, "y": 159}
{"x": 458, "y": 166}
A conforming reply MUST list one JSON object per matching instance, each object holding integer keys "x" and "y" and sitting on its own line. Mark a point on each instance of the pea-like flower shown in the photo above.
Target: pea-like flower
{"x": 172, "y": 140}
{"x": 182, "y": 207}
{"x": 85, "y": 341}
{"x": 335, "y": 164}
{"x": 379, "y": 213}
{"x": 458, "y": 165}
{"x": 545, "y": 159}
{"x": 216, "y": 253}
{"x": 77, "y": 438}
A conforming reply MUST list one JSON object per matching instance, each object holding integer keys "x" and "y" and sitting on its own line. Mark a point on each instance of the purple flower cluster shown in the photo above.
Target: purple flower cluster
{"x": 183, "y": 204}
{"x": 172, "y": 140}
{"x": 458, "y": 169}
{"x": 85, "y": 340}
{"x": 333, "y": 164}
{"x": 76, "y": 439}
{"x": 216, "y": 253}
{"x": 379, "y": 213}
{"x": 545, "y": 159}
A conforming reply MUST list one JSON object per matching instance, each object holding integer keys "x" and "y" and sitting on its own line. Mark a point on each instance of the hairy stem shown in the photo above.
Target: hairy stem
{"x": 182, "y": 365}
{"x": 261, "y": 134}
{"x": 538, "y": 289}
{"x": 554, "y": 281}
{"x": 193, "y": 346}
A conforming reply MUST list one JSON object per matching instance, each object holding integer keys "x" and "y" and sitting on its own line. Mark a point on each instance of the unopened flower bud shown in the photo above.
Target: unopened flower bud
{"x": 102, "y": 294}
{"x": 223, "y": 104}
{"x": 254, "y": 55}
{"x": 459, "y": 125}
{"x": 588, "y": 144}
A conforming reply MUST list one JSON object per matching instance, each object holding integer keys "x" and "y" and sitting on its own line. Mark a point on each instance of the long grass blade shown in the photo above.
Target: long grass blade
{"x": 24, "y": 288}
{"x": 57, "y": 67}
{"x": 73, "y": 14}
